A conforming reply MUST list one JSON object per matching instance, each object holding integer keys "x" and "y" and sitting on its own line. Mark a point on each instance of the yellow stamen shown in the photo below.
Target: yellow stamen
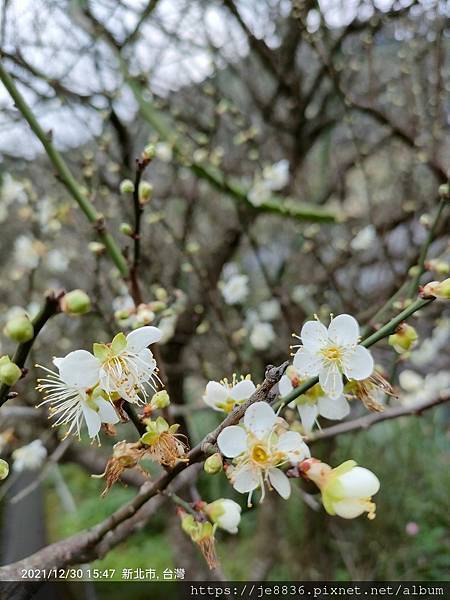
{"x": 259, "y": 454}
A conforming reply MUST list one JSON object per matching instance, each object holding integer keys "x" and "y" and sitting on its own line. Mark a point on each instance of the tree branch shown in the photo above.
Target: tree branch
{"x": 367, "y": 421}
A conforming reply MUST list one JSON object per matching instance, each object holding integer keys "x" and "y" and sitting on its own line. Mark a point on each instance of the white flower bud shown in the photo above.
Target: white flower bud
{"x": 225, "y": 513}
{"x": 213, "y": 464}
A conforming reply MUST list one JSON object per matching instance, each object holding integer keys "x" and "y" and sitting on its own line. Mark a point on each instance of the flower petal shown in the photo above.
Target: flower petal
{"x": 280, "y": 483}
{"x": 79, "y": 369}
{"x": 285, "y": 386}
{"x": 92, "y": 419}
{"x": 344, "y": 330}
{"x": 330, "y": 380}
{"x": 349, "y": 509}
{"x": 260, "y": 418}
{"x": 142, "y": 338}
{"x": 145, "y": 365}
{"x": 106, "y": 411}
{"x": 215, "y": 394}
{"x": 358, "y": 363}
{"x": 359, "y": 483}
{"x": 232, "y": 441}
{"x": 333, "y": 408}
{"x": 314, "y": 335}
{"x": 242, "y": 390}
{"x": 308, "y": 415}
{"x": 307, "y": 363}
{"x": 246, "y": 480}
{"x": 292, "y": 444}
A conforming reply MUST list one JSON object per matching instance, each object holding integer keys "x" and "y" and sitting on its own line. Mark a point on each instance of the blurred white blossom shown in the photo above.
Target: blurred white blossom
{"x": 262, "y": 335}
{"x": 235, "y": 290}
{"x": 29, "y": 457}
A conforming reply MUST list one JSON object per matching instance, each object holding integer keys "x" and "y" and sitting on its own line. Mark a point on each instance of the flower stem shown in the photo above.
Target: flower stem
{"x": 413, "y": 288}
{"x": 134, "y": 418}
{"x": 180, "y": 502}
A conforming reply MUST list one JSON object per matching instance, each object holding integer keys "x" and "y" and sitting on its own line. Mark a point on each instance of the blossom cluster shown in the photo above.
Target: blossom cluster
{"x": 263, "y": 450}
{"x": 87, "y": 384}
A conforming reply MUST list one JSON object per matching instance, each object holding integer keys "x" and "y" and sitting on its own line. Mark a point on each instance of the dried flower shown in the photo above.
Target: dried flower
{"x": 163, "y": 443}
{"x": 125, "y": 456}
{"x": 202, "y": 534}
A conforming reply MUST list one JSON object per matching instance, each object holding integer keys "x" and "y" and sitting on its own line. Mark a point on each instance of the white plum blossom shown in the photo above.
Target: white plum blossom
{"x": 224, "y": 396}
{"x": 28, "y": 251}
{"x": 364, "y": 239}
{"x": 347, "y": 490}
{"x": 262, "y": 335}
{"x": 421, "y": 389}
{"x": 127, "y": 366}
{"x": 259, "y": 447}
{"x": 86, "y": 384}
{"x": 30, "y": 457}
{"x": 276, "y": 176}
{"x": 235, "y": 289}
{"x": 269, "y": 310}
{"x": 314, "y": 402}
{"x": 333, "y": 352}
{"x": 259, "y": 193}
{"x": 225, "y": 513}
{"x": 164, "y": 151}
{"x": 273, "y": 178}
{"x": 73, "y": 395}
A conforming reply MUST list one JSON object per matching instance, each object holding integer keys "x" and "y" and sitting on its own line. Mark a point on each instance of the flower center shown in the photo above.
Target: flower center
{"x": 332, "y": 353}
{"x": 259, "y": 454}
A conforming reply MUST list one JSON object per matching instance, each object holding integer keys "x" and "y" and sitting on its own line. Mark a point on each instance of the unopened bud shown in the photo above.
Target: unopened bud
{"x": 76, "y": 302}
{"x": 126, "y": 186}
{"x": 149, "y": 152}
{"x": 160, "y": 399}
{"x": 157, "y": 306}
{"x": 96, "y": 248}
{"x": 161, "y": 294}
{"x": 404, "y": 338}
{"x": 4, "y": 469}
{"x": 145, "y": 192}
{"x": 436, "y": 289}
{"x": 444, "y": 190}
{"x": 126, "y": 229}
{"x": 414, "y": 271}
{"x": 19, "y": 329}
{"x": 425, "y": 220}
{"x": 438, "y": 266}
{"x": 10, "y": 373}
{"x": 213, "y": 464}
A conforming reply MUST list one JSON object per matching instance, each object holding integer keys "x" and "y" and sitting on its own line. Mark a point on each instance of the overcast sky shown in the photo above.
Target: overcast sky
{"x": 44, "y": 31}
